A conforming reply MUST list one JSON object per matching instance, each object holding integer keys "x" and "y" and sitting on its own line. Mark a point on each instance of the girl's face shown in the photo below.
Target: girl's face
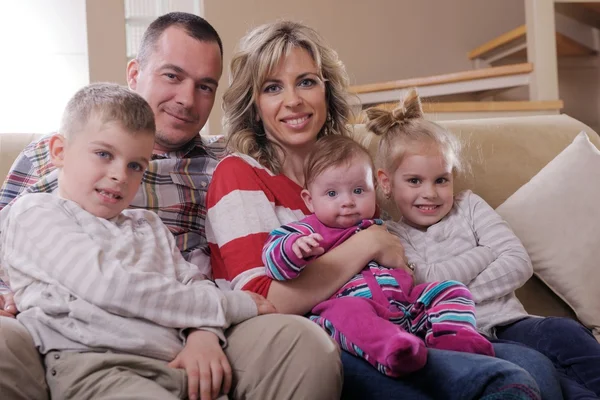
{"x": 291, "y": 104}
{"x": 422, "y": 188}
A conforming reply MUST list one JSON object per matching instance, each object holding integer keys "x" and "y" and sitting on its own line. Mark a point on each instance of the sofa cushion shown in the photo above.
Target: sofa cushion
{"x": 556, "y": 216}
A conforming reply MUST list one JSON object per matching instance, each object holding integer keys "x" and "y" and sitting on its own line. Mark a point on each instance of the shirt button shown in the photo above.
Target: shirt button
{"x": 53, "y": 372}
{"x": 56, "y": 356}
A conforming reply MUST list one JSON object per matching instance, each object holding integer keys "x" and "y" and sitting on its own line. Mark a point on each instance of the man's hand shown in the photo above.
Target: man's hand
{"x": 264, "y": 306}
{"x": 308, "y": 246}
{"x": 7, "y": 306}
{"x": 206, "y": 365}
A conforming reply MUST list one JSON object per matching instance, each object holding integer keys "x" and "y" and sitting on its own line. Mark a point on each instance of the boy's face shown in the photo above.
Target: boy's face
{"x": 101, "y": 166}
{"x": 343, "y": 195}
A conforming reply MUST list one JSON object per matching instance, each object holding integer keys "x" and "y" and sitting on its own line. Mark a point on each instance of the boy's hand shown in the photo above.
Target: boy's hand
{"x": 7, "y": 305}
{"x": 308, "y": 246}
{"x": 264, "y": 306}
{"x": 206, "y": 365}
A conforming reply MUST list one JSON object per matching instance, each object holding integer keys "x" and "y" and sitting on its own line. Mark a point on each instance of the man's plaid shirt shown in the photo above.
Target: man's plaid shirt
{"x": 174, "y": 186}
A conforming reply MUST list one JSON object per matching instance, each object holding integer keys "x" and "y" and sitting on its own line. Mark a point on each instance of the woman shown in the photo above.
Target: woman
{"x": 288, "y": 89}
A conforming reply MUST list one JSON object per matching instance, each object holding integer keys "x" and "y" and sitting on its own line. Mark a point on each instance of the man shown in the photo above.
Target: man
{"x": 177, "y": 72}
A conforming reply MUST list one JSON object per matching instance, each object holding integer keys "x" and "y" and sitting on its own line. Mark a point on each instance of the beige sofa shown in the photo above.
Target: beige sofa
{"x": 504, "y": 154}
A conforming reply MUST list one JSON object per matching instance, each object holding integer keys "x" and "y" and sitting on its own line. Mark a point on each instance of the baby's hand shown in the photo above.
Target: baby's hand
{"x": 308, "y": 246}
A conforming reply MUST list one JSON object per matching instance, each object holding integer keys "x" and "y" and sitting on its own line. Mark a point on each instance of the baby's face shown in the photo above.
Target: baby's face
{"x": 343, "y": 195}
{"x": 102, "y": 167}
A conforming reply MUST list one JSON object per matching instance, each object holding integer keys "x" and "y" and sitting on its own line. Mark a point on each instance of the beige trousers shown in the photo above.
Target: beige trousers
{"x": 272, "y": 357}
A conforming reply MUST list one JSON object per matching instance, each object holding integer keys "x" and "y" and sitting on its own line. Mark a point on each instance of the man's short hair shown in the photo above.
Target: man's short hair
{"x": 110, "y": 103}
{"x": 195, "y": 26}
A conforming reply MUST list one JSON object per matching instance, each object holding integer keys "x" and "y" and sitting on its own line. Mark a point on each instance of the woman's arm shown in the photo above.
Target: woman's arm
{"x": 244, "y": 204}
{"x": 325, "y": 275}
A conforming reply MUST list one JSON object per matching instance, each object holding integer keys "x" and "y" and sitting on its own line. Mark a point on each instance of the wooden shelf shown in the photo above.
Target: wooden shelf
{"x": 482, "y": 73}
{"x": 565, "y": 46}
{"x": 478, "y": 107}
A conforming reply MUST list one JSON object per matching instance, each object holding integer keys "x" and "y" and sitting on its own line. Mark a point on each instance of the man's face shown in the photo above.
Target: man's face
{"x": 179, "y": 80}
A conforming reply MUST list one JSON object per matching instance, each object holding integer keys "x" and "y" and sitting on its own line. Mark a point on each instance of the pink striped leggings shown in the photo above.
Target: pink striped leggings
{"x": 382, "y": 318}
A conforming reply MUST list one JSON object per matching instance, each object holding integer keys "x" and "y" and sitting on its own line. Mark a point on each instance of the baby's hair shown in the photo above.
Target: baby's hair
{"x": 404, "y": 129}
{"x": 108, "y": 102}
{"x": 332, "y": 151}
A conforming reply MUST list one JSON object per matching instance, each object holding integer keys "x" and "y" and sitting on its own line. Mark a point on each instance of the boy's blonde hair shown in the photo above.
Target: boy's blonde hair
{"x": 108, "y": 102}
{"x": 260, "y": 51}
{"x": 333, "y": 151}
{"x": 404, "y": 129}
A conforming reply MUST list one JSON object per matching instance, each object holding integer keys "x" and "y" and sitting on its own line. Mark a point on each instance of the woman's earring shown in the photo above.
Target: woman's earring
{"x": 388, "y": 194}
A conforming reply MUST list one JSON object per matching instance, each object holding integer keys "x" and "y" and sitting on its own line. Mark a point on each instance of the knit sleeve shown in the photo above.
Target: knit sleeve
{"x": 511, "y": 266}
{"x": 280, "y": 261}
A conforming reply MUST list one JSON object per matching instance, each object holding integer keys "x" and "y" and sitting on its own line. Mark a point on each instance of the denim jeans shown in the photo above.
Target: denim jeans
{"x": 538, "y": 365}
{"x": 447, "y": 375}
{"x": 570, "y": 346}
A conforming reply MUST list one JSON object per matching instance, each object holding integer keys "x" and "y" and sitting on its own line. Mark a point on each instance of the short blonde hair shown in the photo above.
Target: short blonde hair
{"x": 108, "y": 102}
{"x": 405, "y": 129}
{"x": 260, "y": 51}
{"x": 333, "y": 151}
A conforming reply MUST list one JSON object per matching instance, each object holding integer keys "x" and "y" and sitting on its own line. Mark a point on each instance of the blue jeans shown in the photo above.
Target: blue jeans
{"x": 447, "y": 375}
{"x": 538, "y": 365}
{"x": 570, "y": 346}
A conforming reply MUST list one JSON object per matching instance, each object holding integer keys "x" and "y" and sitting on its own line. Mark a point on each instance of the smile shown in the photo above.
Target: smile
{"x": 110, "y": 195}
{"x": 427, "y": 208}
{"x": 296, "y": 122}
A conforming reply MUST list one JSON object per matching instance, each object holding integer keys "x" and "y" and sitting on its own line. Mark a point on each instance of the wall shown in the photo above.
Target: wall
{"x": 44, "y": 61}
{"x": 50, "y": 49}
{"x": 378, "y": 40}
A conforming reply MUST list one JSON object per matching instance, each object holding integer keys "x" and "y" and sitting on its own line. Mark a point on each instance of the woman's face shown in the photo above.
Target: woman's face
{"x": 291, "y": 103}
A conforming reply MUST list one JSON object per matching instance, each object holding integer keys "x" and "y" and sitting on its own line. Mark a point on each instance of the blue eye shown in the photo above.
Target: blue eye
{"x": 307, "y": 83}
{"x": 104, "y": 154}
{"x": 359, "y": 191}
{"x": 271, "y": 89}
{"x": 331, "y": 193}
{"x": 137, "y": 167}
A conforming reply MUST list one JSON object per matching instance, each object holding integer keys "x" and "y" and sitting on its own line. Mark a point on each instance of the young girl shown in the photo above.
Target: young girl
{"x": 462, "y": 238}
{"x": 379, "y": 314}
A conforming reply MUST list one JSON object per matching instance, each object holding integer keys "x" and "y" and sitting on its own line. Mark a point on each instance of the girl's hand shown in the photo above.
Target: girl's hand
{"x": 308, "y": 246}
{"x": 207, "y": 367}
{"x": 388, "y": 250}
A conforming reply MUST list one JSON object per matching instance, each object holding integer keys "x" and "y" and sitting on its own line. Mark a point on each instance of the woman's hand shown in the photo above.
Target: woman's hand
{"x": 206, "y": 365}
{"x": 263, "y": 305}
{"x": 388, "y": 250}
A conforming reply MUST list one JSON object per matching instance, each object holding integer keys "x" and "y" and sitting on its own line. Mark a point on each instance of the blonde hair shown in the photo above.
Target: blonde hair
{"x": 404, "y": 129}
{"x": 260, "y": 51}
{"x": 108, "y": 102}
{"x": 332, "y": 151}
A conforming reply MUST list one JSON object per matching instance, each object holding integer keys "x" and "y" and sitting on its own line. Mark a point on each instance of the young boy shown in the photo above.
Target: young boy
{"x": 104, "y": 291}
{"x": 379, "y": 314}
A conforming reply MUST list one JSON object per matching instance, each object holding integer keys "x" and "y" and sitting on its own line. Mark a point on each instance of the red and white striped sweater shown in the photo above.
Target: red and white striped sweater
{"x": 245, "y": 202}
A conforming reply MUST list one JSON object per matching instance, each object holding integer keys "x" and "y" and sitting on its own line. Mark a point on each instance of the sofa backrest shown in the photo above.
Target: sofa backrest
{"x": 504, "y": 153}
